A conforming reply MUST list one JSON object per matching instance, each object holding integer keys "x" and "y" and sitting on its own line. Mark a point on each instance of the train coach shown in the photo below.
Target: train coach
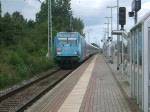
{"x": 70, "y": 49}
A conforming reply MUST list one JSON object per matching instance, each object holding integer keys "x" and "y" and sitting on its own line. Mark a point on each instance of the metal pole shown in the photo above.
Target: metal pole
{"x": 108, "y": 50}
{"x": 51, "y": 27}
{"x": 104, "y": 41}
{"x": 111, "y": 23}
{"x": 122, "y": 54}
{"x": 88, "y": 38}
{"x": 118, "y": 35}
{"x": 71, "y": 20}
{"x": 137, "y": 65}
{"x": 108, "y": 47}
{"x": 48, "y": 54}
{"x": 105, "y": 33}
{"x": 111, "y": 52}
{"x": 108, "y": 27}
{"x": 135, "y": 17}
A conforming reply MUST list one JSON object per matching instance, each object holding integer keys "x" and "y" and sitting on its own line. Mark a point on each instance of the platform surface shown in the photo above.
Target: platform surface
{"x": 90, "y": 88}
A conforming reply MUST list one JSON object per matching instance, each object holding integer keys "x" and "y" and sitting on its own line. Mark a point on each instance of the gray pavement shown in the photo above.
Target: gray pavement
{"x": 102, "y": 93}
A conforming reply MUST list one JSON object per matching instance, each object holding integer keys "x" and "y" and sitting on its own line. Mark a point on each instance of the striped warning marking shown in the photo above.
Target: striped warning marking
{"x": 74, "y": 100}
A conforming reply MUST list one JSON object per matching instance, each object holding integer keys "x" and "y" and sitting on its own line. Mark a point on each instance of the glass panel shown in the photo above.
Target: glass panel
{"x": 140, "y": 66}
{"x": 62, "y": 40}
{"x": 135, "y": 62}
{"x": 127, "y": 60}
{"x": 149, "y": 65}
{"x": 140, "y": 48}
{"x": 72, "y": 41}
{"x": 132, "y": 65}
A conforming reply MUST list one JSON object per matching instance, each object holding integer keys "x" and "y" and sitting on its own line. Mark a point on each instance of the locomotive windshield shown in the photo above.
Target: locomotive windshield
{"x": 72, "y": 41}
{"x": 67, "y": 40}
{"x": 62, "y": 40}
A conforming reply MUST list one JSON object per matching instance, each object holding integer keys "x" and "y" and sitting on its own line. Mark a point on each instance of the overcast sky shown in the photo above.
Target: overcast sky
{"x": 92, "y": 12}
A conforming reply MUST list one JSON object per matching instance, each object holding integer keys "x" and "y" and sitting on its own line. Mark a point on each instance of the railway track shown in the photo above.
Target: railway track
{"x": 23, "y": 97}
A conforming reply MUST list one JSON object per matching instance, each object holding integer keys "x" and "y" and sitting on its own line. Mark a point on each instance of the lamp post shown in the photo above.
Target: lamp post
{"x": 104, "y": 41}
{"x": 88, "y": 34}
{"x": 108, "y": 50}
{"x": 111, "y": 53}
{"x": 111, "y": 18}
{"x": 107, "y": 30}
{"x": 118, "y": 49}
{"x": 71, "y": 28}
{"x": 108, "y": 25}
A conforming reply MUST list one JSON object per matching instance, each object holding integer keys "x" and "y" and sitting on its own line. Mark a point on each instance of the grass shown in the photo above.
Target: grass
{"x": 17, "y": 66}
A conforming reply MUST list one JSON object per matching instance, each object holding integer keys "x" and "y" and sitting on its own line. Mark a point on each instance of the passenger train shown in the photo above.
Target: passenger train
{"x": 70, "y": 49}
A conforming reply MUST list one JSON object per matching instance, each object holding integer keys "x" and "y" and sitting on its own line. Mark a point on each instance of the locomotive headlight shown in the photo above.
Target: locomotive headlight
{"x": 59, "y": 50}
{"x": 75, "y": 52}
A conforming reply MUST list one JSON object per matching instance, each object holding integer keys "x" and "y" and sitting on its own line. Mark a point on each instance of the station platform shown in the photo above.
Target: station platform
{"x": 95, "y": 86}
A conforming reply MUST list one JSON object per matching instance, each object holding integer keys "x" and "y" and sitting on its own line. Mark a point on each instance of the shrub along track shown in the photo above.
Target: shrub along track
{"x": 23, "y": 97}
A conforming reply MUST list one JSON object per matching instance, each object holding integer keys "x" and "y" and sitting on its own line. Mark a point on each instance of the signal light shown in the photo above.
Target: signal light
{"x": 131, "y": 14}
{"x": 122, "y": 16}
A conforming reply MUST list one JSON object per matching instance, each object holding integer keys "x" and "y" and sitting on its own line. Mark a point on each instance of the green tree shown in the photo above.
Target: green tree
{"x": 60, "y": 16}
{"x": 42, "y": 15}
{"x": 31, "y": 23}
{"x": 78, "y": 25}
{"x": 7, "y": 29}
{"x": 19, "y": 23}
{"x": 23, "y": 44}
{"x": 0, "y": 26}
{"x": 0, "y": 9}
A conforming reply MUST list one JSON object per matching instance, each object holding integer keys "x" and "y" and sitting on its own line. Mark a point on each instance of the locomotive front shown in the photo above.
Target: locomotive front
{"x": 66, "y": 49}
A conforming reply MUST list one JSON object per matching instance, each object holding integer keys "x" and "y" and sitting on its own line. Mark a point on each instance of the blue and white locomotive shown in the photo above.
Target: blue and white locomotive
{"x": 70, "y": 48}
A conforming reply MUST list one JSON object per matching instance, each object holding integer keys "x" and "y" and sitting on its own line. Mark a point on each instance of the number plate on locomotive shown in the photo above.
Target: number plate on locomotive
{"x": 67, "y": 49}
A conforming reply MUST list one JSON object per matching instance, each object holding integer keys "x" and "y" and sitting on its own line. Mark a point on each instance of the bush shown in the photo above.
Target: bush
{"x": 23, "y": 71}
{"x": 7, "y": 75}
{"x": 12, "y": 58}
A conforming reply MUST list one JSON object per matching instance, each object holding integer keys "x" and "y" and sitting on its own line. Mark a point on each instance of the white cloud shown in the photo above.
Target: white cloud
{"x": 12, "y": 6}
{"x": 32, "y": 7}
{"x": 144, "y": 9}
{"x": 28, "y": 8}
{"x": 89, "y": 10}
{"x": 92, "y": 12}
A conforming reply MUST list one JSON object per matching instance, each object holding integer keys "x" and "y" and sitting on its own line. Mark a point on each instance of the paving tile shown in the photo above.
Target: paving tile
{"x": 98, "y": 92}
{"x": 107, "y": 95}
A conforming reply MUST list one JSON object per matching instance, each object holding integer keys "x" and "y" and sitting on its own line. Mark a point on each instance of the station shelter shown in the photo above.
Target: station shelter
{"x": 139, "y": 62}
